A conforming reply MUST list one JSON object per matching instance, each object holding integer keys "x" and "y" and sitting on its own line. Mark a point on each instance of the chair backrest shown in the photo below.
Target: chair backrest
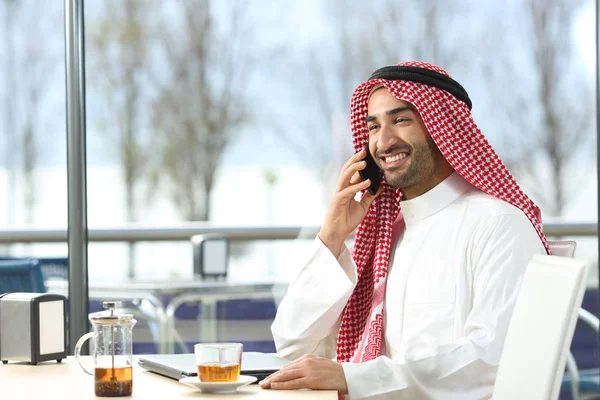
{"x": 562, "y": 248}
{"x": 541, "y": 329}
{"x": 21, "y": 276}
{"x": 52, "y": 267}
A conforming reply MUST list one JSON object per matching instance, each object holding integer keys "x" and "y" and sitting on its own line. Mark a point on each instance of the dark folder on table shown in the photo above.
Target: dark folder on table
{"x": 179, "y": 366}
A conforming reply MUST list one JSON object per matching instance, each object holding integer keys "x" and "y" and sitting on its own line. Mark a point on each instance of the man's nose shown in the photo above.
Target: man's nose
{"x": 387, "y": 137}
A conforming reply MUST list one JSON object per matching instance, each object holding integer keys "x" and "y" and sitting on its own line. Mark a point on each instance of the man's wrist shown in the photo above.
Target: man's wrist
{"x": 344, "y": 389}
{"x": 334, "y": 244}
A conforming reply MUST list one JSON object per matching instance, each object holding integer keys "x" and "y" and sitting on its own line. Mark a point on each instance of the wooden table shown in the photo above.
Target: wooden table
{"x": 67, "y": 381}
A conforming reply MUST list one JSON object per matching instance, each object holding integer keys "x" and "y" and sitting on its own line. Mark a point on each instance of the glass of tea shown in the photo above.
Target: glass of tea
{"x": 218, "y": 362}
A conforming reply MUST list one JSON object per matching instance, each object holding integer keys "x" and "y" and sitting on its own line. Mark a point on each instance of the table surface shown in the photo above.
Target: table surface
{"x": 67, "y": 381}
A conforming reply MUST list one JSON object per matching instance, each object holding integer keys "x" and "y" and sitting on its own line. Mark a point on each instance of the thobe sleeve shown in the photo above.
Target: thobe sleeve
{"x": 465, "y": 366}
{"x": 309, "y": 315}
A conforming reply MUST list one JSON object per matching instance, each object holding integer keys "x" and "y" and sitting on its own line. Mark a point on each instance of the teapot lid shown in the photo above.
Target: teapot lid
{"x": 106, "y": 318}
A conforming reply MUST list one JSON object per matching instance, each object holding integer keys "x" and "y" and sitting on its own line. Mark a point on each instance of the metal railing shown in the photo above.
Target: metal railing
{"x": 183, "y": 232}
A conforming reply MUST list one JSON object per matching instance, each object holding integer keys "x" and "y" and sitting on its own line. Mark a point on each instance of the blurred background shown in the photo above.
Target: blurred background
{"x": 235, "y": 115}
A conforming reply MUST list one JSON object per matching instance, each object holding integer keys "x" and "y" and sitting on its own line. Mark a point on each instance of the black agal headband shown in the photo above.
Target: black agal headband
{"x": 425, "y": 76}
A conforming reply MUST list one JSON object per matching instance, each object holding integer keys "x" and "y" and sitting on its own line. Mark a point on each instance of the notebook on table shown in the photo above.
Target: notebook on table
{"x": 177, "y": 366}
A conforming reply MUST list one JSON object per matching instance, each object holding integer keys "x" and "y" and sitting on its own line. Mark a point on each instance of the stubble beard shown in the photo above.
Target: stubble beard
{"x": 420, "y": 167}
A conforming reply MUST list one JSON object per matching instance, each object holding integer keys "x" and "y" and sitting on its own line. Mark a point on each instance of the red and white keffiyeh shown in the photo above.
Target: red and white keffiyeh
{"x": 452, "y": 128}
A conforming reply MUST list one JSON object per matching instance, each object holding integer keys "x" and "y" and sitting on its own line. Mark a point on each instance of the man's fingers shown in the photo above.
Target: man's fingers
{"x": 309, "y": 373}
{"x": 368, "y": 198}
{"x": 289, "y": 373}
{"x": 355, "y": 158}
{"x": 353, "y": 165}
{"x": 300, "y": 383}
{"x": 355, "y": 178}
{"x": 346, "y": 177}
{"x": 291, "y": 366}
{"x": 350, "y": 191}
{"x": 285, "y": 376}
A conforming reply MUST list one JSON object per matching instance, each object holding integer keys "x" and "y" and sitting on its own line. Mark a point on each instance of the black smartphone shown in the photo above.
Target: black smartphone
{"x": 372, "y": 172}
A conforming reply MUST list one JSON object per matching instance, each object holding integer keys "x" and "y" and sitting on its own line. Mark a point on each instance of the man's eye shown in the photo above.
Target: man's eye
{"x": 372, "y": 127}
{"x": 401, "y": 119}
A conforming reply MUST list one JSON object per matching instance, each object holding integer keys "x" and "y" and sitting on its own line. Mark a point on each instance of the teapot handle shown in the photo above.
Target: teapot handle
{"x": 78, "y": 350}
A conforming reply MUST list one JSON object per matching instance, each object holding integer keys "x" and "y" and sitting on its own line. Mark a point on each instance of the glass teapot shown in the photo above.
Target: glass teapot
{"x": 112, "y": 351}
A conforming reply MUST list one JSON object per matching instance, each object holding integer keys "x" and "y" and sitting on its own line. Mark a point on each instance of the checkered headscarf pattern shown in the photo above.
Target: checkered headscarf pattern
{"x": 452, "y": 128}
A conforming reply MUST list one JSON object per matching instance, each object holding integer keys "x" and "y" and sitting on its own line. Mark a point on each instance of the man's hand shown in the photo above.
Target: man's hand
{"x": 308, "y": 372}
{"x": 344, "y": 213}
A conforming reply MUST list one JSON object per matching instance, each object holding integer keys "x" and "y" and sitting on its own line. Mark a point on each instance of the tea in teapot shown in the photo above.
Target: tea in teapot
{"x": 113, "y": 344}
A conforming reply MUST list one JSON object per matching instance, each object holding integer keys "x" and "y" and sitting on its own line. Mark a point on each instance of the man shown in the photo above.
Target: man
{"x": 421, "y": 307}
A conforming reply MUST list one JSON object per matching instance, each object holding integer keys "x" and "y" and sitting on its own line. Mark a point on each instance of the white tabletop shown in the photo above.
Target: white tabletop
{"x": 50, "y": 380}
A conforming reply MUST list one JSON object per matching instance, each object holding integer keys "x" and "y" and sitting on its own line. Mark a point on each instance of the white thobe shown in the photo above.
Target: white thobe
{"x": 453, "y": 279}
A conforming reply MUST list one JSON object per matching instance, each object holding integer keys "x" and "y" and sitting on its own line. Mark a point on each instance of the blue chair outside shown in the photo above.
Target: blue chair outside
{"x": 589, "y": 380}
{"x": 246, "y": 309}
{"x": 584, "y": 348}
{"x": 589, "y": 384}
{"x": 52, "y": 267}
{"x": 21, "y": 276}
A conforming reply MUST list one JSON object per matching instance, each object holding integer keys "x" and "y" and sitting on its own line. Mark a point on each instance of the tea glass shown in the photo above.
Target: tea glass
{"x": 218, "y": 362}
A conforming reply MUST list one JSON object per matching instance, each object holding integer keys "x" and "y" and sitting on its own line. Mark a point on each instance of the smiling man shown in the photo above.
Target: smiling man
{"x": 420, "y": 308}
{"x": 410, "y": 161}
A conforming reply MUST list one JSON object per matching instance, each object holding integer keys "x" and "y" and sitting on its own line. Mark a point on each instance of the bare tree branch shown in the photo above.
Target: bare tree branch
{"x": 27, "y": 72}
{"x": 10, "y": 142}
{"x": 202, "y": 105}
{"x": 554, "y": 128}
{"x": 118, "y": 49}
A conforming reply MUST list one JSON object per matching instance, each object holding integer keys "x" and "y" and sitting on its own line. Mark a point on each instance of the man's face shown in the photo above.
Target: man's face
{"x": 402, "y": 147}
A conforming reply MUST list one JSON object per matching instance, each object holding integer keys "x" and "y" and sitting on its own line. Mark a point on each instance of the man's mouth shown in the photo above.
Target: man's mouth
{"x": 396, "y": 157}
{"x": 394, "y": 160}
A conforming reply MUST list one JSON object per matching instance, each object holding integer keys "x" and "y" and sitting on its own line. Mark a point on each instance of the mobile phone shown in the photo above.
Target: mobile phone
{"x": 372, "y": 172}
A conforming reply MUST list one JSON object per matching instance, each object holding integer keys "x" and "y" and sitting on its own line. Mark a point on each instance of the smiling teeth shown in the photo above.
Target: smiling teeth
{"x": 396, "y": 157}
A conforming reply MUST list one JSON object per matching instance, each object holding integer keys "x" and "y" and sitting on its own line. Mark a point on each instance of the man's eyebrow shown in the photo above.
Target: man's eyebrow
{"x": 391, "y": 112}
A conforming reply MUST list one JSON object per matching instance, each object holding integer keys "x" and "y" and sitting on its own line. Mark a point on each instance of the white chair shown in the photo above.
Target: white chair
{"x": 541, "y": 329}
